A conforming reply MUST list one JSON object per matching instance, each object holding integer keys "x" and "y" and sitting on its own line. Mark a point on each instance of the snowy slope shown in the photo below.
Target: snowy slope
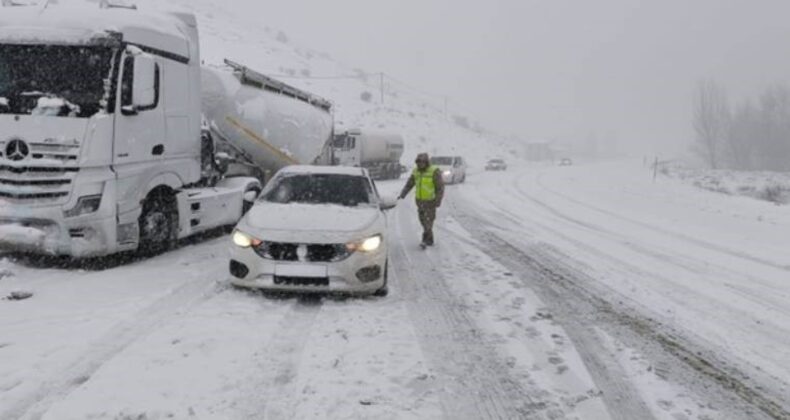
{"x": 227, "y": 33}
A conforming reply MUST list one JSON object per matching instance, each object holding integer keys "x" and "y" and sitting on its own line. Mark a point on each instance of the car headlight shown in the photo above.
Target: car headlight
{"x": 447, "y": 173}
{"x": 244, "y": 240}
{"x": 85, "y": 205}
{"x": 367, "y": 245}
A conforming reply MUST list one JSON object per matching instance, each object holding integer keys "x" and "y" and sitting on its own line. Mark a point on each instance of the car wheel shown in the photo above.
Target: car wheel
{"x": 384, "y": 290}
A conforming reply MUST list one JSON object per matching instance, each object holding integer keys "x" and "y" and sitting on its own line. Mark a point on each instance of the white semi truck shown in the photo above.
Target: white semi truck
{"x": 378, "y": 152}
{"x": 103, "y": 146}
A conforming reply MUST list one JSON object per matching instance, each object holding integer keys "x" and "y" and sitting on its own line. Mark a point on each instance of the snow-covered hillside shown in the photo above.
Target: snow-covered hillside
{"x": 227, "y": 33}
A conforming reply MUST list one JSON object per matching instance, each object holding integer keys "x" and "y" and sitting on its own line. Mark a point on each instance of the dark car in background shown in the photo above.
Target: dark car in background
{"x": 496, "y": 165}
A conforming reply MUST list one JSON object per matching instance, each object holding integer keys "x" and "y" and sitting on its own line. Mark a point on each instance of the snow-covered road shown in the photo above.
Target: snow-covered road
{"x": 584, "y": 292}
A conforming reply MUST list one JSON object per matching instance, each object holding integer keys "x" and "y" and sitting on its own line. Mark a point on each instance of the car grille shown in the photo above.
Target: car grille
{"x": 283, "y": 251}
{"x": 301, "y": 281}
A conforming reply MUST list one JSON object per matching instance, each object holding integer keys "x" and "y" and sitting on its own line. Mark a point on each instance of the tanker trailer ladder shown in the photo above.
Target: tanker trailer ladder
{"x": 251, "y": 134}
{"x": 238, "y": 155}
{"x": 253, "y": 78}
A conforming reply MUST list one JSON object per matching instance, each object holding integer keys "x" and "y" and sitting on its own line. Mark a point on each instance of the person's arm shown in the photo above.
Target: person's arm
{"x": 406, "y": 188}
{"x": 438, "y": 181}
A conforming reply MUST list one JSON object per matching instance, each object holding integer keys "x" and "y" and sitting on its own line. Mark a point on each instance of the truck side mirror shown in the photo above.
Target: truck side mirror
{"x": 144, "y": 84}
{"x": 145, "y": 90}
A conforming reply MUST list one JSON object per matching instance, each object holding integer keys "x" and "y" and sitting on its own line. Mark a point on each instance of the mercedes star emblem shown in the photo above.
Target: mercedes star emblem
{"x": 16, "y": 150}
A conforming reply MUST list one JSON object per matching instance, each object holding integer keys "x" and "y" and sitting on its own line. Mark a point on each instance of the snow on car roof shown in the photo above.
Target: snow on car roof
{"x": 323, "y": 170}
{"x": 82, "y": 22}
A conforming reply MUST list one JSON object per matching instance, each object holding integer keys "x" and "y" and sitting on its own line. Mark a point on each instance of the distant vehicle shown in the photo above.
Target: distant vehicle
{"x": 496, "y": 165}
{"x": 315, "y": 229}
{"x": 378, "y": 152}
{"x": 453, "y": 168}
{"x": 566, "y": 162}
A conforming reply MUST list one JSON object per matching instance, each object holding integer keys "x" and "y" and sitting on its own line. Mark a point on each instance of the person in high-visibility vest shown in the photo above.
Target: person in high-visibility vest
{"x": 429, "y": 192}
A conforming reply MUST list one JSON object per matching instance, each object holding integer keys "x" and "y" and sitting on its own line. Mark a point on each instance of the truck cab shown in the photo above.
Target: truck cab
{"x": 100, "y": 142}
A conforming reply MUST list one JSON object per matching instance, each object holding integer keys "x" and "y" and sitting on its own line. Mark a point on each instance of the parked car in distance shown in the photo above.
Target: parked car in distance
{"x": 453, "y": 168}
{"x": 496, "y": 165}
{"x": 314, "y": 229}
{"x": 566, "y": 162}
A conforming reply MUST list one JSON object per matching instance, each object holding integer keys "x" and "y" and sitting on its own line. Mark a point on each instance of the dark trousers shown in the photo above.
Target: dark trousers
{"x": 426, "y": 211}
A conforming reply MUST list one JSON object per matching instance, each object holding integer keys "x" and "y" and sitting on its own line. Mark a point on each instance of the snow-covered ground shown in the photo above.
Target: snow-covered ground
{"x": 553, "y": 292}
{"x": 586, "y": 292}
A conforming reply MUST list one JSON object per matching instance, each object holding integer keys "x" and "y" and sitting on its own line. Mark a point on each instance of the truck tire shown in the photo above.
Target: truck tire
{"x": 158, "y": 224}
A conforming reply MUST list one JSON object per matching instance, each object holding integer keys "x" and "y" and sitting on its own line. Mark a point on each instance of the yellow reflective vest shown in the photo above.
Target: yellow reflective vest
{"x": 424, "y": 186}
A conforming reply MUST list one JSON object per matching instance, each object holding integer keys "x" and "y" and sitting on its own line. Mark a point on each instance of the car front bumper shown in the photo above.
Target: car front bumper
{"x": 361, "y": 273}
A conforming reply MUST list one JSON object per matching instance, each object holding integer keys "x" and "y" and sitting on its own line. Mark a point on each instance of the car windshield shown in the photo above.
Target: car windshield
{"x": 344, "y": 190}
{"x": 442, "y": 160}
{"x": 54, "y": 80}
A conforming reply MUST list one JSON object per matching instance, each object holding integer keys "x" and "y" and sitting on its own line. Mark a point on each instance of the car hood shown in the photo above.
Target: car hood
{"x": 310, "y": 222}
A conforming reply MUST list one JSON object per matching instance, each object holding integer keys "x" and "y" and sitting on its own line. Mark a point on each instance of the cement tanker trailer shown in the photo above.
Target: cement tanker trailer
{"x": 379, "y": 152}
{"x": 260, "y": 125}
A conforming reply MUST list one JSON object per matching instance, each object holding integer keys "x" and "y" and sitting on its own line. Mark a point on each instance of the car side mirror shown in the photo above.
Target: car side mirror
{"x": 387, "y": 203}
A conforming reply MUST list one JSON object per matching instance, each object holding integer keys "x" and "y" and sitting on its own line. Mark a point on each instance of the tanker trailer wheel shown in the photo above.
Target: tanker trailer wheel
{"x": 158, "y": 223}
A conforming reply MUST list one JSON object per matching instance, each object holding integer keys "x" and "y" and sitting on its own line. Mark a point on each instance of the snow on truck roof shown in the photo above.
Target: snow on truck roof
{"x": 322, "y": 170}
{"x": 84, "y": 22}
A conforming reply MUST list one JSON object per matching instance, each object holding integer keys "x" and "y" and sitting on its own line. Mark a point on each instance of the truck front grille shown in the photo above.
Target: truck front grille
{"x": 35, "y": 183}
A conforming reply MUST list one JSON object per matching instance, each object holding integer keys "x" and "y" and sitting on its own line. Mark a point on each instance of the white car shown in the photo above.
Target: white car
{"x": 453, "y": 168}
{"x": 314, "y": 229}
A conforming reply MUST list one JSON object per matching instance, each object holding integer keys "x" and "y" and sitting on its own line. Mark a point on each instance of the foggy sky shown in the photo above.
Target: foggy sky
{"x": 553, "y": 68}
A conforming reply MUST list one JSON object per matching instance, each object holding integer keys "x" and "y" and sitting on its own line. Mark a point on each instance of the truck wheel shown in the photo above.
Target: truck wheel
{"x": 158, "y": 224}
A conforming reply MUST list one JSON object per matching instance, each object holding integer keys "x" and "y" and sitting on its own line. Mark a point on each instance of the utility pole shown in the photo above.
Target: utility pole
{"x": 381, "y": 86}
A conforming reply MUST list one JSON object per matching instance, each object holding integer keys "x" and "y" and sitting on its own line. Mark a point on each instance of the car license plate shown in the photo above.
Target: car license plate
{"x": 300, "y": 270}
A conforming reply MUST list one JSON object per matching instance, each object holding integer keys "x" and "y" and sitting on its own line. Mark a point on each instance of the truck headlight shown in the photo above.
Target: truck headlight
{"x": 366, "y": 245}
{"x": 85, "y": 205}
{"x": 244, "y": 240}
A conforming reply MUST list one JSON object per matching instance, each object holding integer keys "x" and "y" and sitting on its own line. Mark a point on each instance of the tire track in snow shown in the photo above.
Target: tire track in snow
{"x": 477, "y": 382}
{"x": 271, "y": 391}
{"x": 36, "y": 404}
{"x": 579, "y": 306}
{"x": 684, "y": 261}
{"x": 690, "y": 239}
{"x": 618, "y": 394}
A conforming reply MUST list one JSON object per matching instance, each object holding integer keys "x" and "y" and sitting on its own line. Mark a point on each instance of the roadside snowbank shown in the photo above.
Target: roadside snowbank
{"x": 766, "y": 186}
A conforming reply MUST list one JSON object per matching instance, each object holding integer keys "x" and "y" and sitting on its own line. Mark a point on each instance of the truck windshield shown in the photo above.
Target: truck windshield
{"x": 344, "y": 190}
{"x": 54, "y": 80}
